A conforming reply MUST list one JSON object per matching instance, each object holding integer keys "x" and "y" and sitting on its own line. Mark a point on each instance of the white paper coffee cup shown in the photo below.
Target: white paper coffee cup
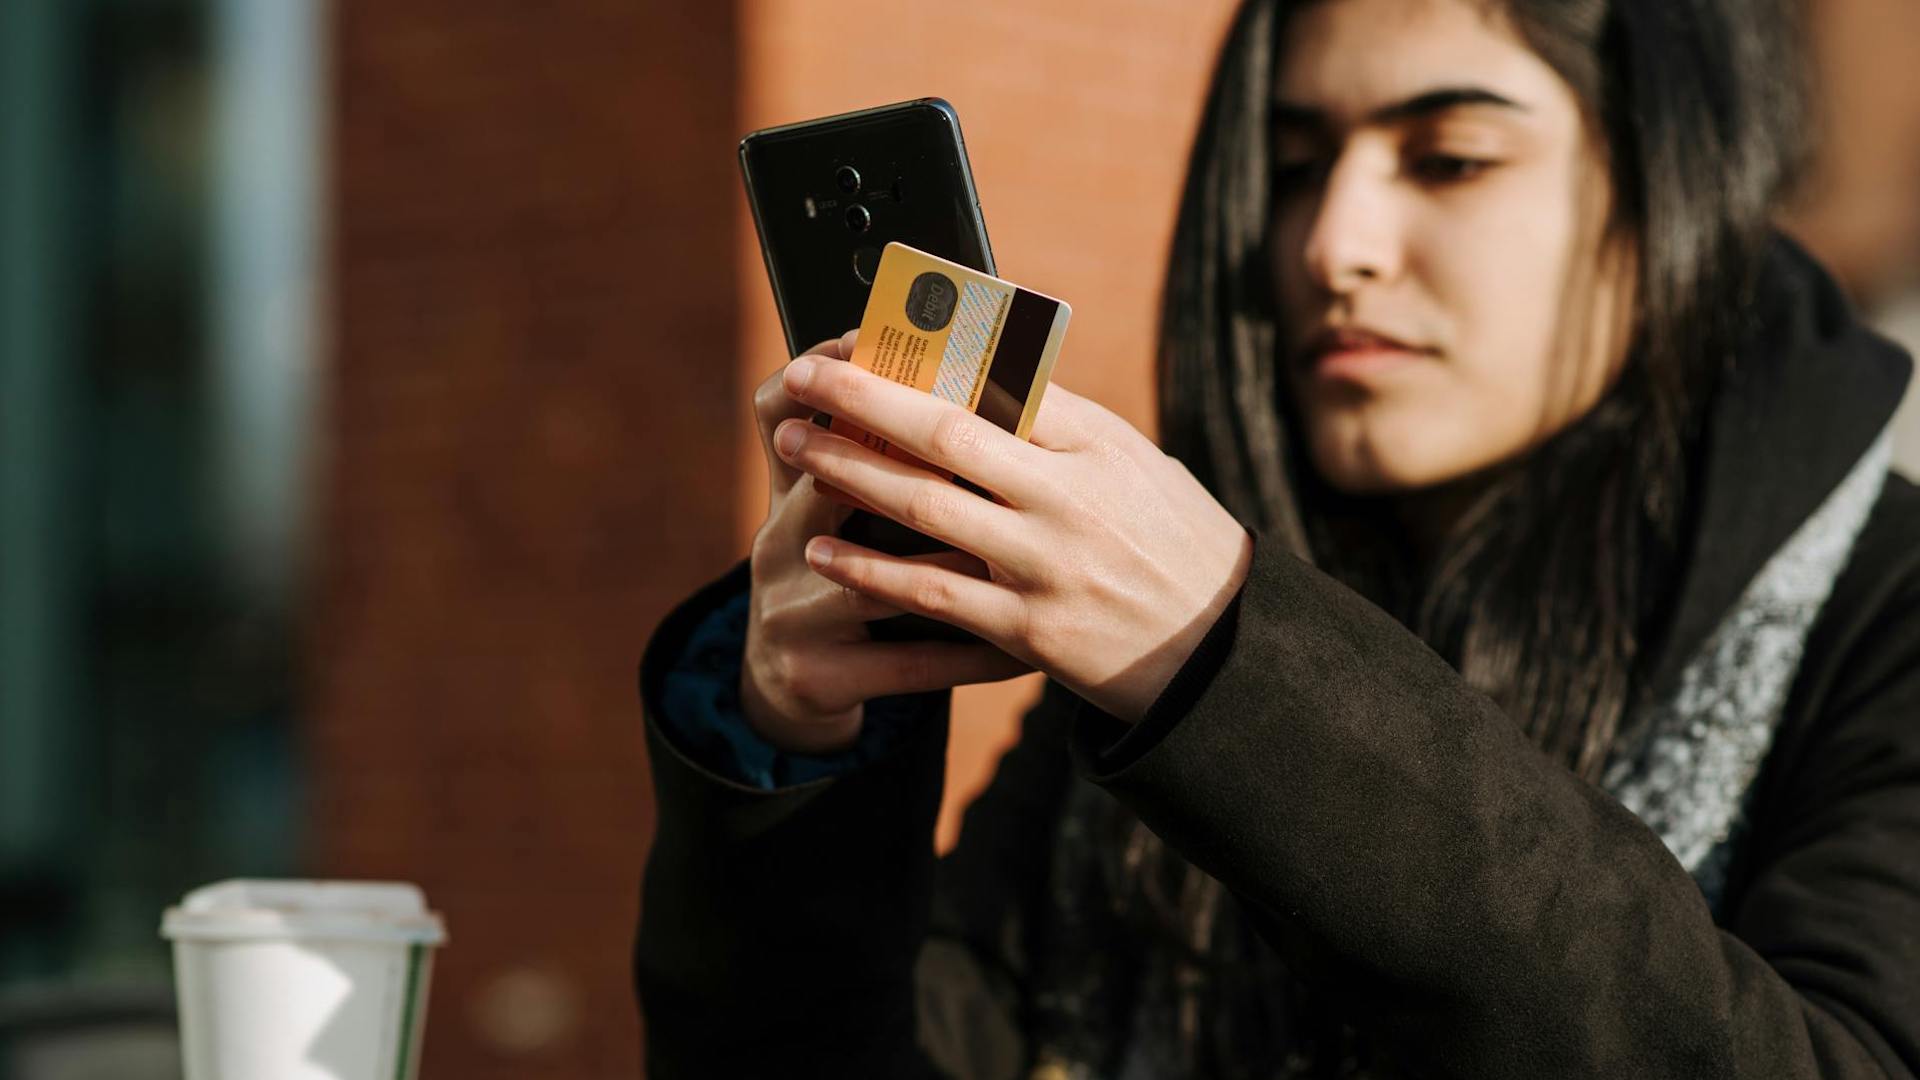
{"x": 302, "y": 980}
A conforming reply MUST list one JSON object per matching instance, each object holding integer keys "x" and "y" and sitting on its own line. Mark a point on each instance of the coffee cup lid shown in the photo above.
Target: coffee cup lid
{"x": 251, "y": 910}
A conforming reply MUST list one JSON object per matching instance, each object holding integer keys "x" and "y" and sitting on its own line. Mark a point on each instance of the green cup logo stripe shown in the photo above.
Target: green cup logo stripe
{"x": 409, "y": 1040}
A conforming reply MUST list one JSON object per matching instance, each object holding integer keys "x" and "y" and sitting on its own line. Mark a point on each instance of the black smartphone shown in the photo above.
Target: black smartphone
{"x": 827, "y": 196}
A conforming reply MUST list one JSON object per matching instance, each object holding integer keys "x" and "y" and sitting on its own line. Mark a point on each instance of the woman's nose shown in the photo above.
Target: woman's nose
{"x": 1355, "y": 238}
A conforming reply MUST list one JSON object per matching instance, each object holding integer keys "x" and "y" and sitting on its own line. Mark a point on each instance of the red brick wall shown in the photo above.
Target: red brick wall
{"x": 531, "y": 377}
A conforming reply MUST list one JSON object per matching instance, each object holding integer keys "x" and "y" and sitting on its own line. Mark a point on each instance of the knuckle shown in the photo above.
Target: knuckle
{"x": 770, "y": 399}
{"x": 1106, "y": 451}
{"x": 780, "y": 669}
{"x": 931, "y": 505}
{"x": 782, "y": 618}
{"x": 773, "y": 615}
{"x": 1040, "y": 632}
{"x": 760, "y": 559}
{"x": 811, "y": 700}
{"x": 932, "y": 594}
{"x": 775, "y": 566}
{"x": 836, "y": 383}
{"x": 806, "y": 685}
{"x": 805, "y": 690}
{"x": 957, "y": 436}
{"x": 771, "y": 552}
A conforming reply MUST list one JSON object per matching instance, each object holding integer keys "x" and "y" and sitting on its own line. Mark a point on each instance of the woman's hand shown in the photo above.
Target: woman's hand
{"x": 809, "y": 662}
{"x": 1107, "y": 561}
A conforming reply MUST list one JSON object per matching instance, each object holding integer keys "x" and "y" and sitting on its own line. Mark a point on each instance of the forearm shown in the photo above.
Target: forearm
{"x": 780, "y": 918}
{"x": 784, "y": 923}
{"x": 1490, "y": 914}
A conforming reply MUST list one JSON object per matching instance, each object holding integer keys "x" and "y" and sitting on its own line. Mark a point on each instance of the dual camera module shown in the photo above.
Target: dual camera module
{"x": 849, "y": 182}
{"x": 858, "y": 217}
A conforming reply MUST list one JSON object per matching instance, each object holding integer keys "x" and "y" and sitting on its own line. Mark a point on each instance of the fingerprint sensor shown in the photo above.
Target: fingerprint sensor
{"x": 866, "y": 263}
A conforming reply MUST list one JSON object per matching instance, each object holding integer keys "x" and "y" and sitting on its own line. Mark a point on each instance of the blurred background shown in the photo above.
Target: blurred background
{"x": 374, "y": 375}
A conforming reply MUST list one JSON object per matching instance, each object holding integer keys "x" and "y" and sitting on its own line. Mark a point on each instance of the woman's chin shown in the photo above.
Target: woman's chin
{"x": 1365, "y": 467}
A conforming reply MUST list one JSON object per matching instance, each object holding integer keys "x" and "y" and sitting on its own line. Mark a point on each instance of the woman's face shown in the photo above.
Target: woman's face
{"x": 1450, "y": 293}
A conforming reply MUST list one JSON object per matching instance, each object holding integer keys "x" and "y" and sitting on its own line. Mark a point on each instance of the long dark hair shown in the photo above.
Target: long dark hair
{"x": 1548, "y": 595}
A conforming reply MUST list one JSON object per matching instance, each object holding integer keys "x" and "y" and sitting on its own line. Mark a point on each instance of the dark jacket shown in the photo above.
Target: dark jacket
{"x": 1489, "y": 913}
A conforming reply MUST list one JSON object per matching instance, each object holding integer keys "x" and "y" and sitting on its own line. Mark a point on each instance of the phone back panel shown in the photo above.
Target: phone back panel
{"x": 822, "y": 241}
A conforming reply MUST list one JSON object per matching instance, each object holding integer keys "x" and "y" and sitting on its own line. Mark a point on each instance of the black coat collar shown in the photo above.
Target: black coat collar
{"x": 1805, "y": 398}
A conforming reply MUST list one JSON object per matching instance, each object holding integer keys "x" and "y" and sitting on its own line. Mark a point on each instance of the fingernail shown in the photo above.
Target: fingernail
{"x": 819, "y": 552}
{"x": 799, "y": 374}
{"x": 789, "y": 437}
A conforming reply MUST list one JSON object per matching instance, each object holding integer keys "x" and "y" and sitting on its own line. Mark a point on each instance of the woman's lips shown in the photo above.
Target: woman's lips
{"x": 1358, "y": 355}
{"x": 1360, "y": 363}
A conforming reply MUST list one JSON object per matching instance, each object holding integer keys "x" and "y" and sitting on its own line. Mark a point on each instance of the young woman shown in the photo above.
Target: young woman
{"x": 1510, "y": 668}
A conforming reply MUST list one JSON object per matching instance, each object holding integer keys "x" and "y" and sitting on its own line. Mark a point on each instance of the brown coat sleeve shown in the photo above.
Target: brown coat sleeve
{"x": 1490, "y": 915}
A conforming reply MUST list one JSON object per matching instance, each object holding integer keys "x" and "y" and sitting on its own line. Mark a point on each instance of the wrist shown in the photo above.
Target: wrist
{"x": 810, "y": 736}
{"x": 1131, "y": 702}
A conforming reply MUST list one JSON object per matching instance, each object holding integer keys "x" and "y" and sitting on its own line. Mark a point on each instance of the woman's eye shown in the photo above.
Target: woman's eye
{"x": 1298, "y": 174}
{"x": 1447, "y": 168}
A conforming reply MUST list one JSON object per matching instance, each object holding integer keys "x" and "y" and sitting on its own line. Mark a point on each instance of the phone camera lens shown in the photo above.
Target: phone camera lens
{"x": 859, "y": 219}
{"x": 848, "y": 178}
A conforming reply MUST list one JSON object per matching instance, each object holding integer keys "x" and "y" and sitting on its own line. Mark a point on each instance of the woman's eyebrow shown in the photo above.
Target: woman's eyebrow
{"x": 1290, "y": 114}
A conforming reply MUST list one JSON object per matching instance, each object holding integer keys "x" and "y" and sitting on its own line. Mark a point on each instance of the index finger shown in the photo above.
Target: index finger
{"x": 772, "y": 404}
{"x": 934, "y": 430}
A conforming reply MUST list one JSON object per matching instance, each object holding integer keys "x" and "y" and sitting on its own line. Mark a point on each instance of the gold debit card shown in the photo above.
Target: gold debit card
{"x": 966, "y": 337}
